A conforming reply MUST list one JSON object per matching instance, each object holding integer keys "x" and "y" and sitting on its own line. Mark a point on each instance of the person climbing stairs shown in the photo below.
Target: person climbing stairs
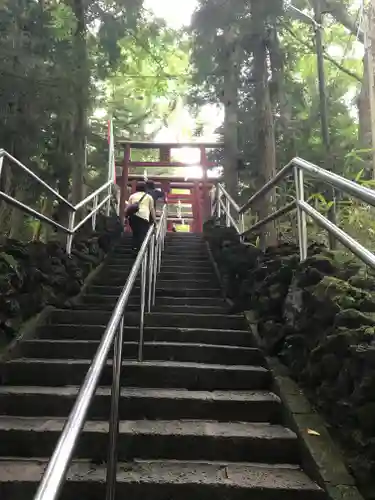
{"x": 198, "y": 417}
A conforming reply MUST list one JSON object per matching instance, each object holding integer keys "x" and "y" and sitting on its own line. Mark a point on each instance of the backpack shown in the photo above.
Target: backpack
{"x": 157, "y": 194}
{"x": 133, "y": 208}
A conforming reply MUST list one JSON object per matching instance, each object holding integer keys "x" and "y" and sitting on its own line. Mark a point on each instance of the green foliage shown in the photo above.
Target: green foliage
{"x": 66, "y": 67}
{"x": 295, "y": 96}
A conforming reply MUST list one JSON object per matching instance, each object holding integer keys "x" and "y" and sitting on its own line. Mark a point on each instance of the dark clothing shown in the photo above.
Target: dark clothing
{"x": 157, "y": 194}
{"x": 139, "y": 228}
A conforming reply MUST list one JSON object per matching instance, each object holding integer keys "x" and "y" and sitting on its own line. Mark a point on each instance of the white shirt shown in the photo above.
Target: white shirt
{"x": 145, "y": 205}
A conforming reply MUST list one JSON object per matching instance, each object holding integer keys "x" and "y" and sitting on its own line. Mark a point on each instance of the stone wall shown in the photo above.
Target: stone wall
{"x": 34, "y": 275}
{"x": 318, "y": 317}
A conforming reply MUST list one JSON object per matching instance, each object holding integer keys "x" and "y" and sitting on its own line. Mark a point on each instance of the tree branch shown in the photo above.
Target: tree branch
{"x": 325, "y": 55}
{"x": 338, "y": 11}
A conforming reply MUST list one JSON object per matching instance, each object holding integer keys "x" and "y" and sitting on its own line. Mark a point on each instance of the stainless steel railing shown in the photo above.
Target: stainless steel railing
{"x": 72, "y": 228}
{"x": 148, "y": 262}
{"x": 298, "y": 167}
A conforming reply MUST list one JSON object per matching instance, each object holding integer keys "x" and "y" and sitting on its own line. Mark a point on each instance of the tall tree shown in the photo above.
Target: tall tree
{"x": 81, "y": 93}
{"x": 265, "y": 136}
{"x": 230, "y": 102}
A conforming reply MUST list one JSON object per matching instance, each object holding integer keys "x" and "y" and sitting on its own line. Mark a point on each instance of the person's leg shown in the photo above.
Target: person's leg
{"x": 133, "y": 222}
{"x": 144, "y": 226}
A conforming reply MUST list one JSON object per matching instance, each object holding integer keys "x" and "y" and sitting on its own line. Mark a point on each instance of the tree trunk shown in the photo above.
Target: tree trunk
{"x": 81, "y": 96}
{"x": 364, "y": 128}
{"x": 279, "y": 100}
{"x": 17, "y": 217}
{"x": 370, "y": 62}
{"x": 230, "y": 101}
{"x": 5, "y": 209}
{"x": 265, "y": 137}
{"x": 43, "y": 231}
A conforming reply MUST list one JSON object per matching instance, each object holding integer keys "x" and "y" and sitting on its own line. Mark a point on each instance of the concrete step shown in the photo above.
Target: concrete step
{"x": 177, "y": 274}
{"x": 162, "y": 480}
{"x": 160, "y": 351}
{"x": 187, "y": 256}
{"x": 179, "y": 284}
{"x": 161, "y": 291}
{"x": 134, "y": 305}
{"x": 151, "y": 334}
{"x": 181, "y": 250}
{"x": 160, "y": 439}
{"x": 178, "y": 262}
{"x": 111, "y": 300}
{"x": 150, "y": 404}
{"x": 183, "y": 267}
{"x": 180, "y": 320}
{"x": 171, "y": 280}
{"x": 172, "y": 309}
{"x": 152, "y": 374}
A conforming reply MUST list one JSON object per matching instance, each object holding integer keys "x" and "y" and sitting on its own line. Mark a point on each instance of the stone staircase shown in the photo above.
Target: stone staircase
{"x": 198, "y": 417}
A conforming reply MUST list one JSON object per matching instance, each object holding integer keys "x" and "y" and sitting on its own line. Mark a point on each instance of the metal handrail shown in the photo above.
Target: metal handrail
{"x": 72, "y": 228}
{"x": 55, "y": 474}
{"x": 229, "y": 198}
{"x": 228, "y": 207}
{"x": 298, "y": 167}
{"x": 93, "y": 195}
{"x": 29, "y": 172}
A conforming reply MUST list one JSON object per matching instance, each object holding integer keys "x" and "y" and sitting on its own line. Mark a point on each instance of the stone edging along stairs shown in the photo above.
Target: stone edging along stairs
{"x": 198, "y": 417}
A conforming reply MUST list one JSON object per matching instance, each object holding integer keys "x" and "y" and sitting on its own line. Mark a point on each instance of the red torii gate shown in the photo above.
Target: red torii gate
{"x": 199, "y": 189}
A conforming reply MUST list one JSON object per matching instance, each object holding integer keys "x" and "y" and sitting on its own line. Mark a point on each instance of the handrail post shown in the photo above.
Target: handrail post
{"x": 242, "y": 223}
{"x": 301, "y": 216}
{"x": 69, "y": 239}
{"x": 151, "y": 276}
{"x": 114, "y": 415}
{"x": 227, "y": 206}
{"x": 1, "y": 164}
{"x": 108, "y": 208}
{"x": 218, "y": 201}
{"x": 242, "y": 226}
{"x": 154, "y": 271}
{"x": 160, "y": 249}
{"x": 143, "y": 304}
{"x": 95, "y": 206}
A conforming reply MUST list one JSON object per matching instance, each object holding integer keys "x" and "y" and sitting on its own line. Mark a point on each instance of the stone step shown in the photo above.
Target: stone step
{"x": 150, "y": 404}
{"x": 157, "y": 439}
{"x": 152, "y": 374}
{"x": 161, "y": 291}
{"x": 162, "y": 480}
{"x": 134, "y": 305}
{"x": 159, "y": 351}
{"x": 174, "y": 268}
{"x": 173, "y": 281}
{"x": 185, "y": 255}
{"x": 188, "y": 309}
{"x": 179, "y": 263}
{"x": 177, "y": 274}
{"x": 198, "y": 244}
{"x": 180, "y": 251}
{"x": 179, "y": 320}
{"x": 104, "y": 300}
{"x": 152, "y": 334}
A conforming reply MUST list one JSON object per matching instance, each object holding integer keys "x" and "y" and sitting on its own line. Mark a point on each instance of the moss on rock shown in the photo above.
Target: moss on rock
{"x": 35, "y": 274}
{"x": 319, "y": 318}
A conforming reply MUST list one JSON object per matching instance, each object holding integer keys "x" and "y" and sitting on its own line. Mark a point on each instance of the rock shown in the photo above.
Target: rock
{"x": 364, "y": 283}
{"x": 273, "y": 335}
{"x": 318, "y": 317}
{"x": 366, "y": 418}
{"x": 33, "y": 275}
{"x": 352, "y": 318}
